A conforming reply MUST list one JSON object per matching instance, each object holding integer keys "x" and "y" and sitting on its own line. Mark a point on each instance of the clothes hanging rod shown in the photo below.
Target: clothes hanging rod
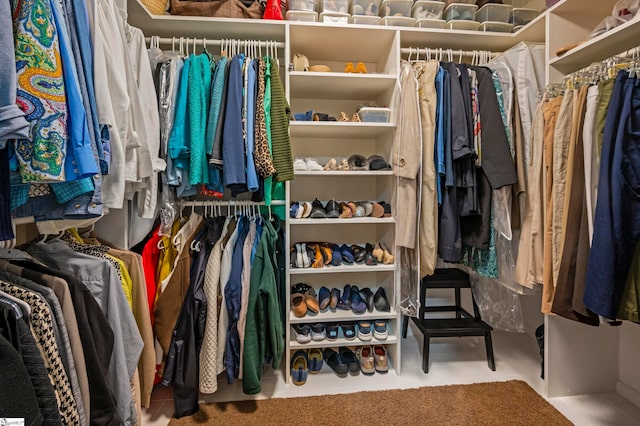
{"x": 444, "y": 52}
{"x": 231, "y": 203}
{"x": 213, "y": 42}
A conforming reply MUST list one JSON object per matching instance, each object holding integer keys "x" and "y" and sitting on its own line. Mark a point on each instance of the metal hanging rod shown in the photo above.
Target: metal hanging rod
{"x": 445, "y": 53}
{"x": 212, "y": 42}
{"x": 230, "y": 203}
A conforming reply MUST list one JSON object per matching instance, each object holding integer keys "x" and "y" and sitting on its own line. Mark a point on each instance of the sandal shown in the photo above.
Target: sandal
{"x": 345, "y": 211}
{"x": 327, "y": 255}
{"x": 343, "y": 117}
{"x": 311, "y": 301}
{"x": 359, "y": 253}
{"x": 387, "y": 258}
{"x": 356, "y": 118}
{"x": 378, "y": 210}
{"x": 344, "y": 164}
{"x": 349, "y": 67}
{"x": 361, "y": 68}
{"x": 378, "y": 253}
{"x": 317, "y": 256}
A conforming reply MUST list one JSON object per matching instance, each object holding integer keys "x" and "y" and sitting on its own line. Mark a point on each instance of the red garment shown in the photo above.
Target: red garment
{"x": 150, "y": 259}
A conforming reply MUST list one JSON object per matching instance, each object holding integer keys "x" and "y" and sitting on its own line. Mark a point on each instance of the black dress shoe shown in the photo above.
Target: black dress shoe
{"x": 336, "y": 362}
{"x": 380, "y": 301}
{"x": 367, "y": 295}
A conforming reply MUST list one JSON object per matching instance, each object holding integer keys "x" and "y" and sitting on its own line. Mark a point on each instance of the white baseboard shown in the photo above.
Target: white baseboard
{"x": 627, "y": 392}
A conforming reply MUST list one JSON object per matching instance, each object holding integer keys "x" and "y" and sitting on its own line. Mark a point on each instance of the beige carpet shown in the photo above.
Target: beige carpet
{"x": 499, "y": 403}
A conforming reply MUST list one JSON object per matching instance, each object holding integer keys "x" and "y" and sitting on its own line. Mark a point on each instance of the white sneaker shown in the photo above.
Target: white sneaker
{"x": 313, "y": 165}
{"x": 299, "y": 165}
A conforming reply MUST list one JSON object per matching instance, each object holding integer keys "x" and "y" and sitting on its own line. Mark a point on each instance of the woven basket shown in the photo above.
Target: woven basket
{"x": 217, "y": 8}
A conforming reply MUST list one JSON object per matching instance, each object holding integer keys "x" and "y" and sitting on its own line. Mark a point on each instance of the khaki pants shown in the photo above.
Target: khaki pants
{"x": 428, "y": 217}
{"x": 574, "y": 241}
{"x": 550, "y": 111}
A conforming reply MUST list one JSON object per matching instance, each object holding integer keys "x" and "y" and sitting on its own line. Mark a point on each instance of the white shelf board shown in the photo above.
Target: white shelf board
{"x": 341, "y": 341}
{"x": 339, "y": 85}
{"x": 349, "y": 221}
{"x": 334, "y": 129}
{"x": 346, "y": 173}
{"x": 340, "y": 315}
{"x": 341, "y": 269}
{"x": 609, "y": 44}
{"x": 202, "y": 26}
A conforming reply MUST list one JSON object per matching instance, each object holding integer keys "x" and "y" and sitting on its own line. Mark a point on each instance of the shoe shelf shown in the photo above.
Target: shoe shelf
{"x": 342, "y": 269}
{"x": 338, "y": 85}
{"x": 341, "y": 341}
{"x": 325, "y": 129}
{"x": 340, "y": 315}
{"x": 349, "y": 221}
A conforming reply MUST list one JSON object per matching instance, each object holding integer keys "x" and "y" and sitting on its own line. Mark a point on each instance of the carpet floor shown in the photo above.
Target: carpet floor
{"x": 498, "y": 403}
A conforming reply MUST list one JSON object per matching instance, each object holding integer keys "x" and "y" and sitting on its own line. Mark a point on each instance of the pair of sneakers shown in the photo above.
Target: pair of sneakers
{"x": 373, "y": 359}
{"x": 367, "y": 329}
{"x": 305, "y": 333}
{"x": 307, "y": 165}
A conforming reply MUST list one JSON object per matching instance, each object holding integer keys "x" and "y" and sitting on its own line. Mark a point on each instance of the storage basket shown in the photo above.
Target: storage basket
{"x": 219, "y": 8}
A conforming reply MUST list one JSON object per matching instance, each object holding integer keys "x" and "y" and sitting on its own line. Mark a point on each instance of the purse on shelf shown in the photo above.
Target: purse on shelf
{"x": 218, "y": 8}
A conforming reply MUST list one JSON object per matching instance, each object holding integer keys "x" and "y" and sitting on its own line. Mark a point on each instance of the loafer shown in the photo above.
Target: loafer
{"x": 380, "y": 359}
{"x": 335, "y": 298}
{"x": 366, "y": 359}
{"x": 358, "y": 306}
{"x": 298, "y": 305}
{"x": 336, "y": 256}
{"x": 367, "y": 295}
{"x": 299, "y": 368}
{"x": 317, "y": 210}
{"x": 347, "y": 254}
{"x": 350, "y": 359}
{"x": 333, "y": 209}
{"x": 380, "y": 301}
{"x": 332, "y": 330}
{"x": 335, "y": 361}
{"x": 345, "y": 301}
{"x": 364, "y": 330}
{"x": 324, "y": 296}
{"x": 311, "y": 301}
{"x": 315, "y": 360}
{"x": 318, "y": 332}
{"x": 302, "y": 332}
{"x": 380, "y": 330}
{"x": 348, "y": 330}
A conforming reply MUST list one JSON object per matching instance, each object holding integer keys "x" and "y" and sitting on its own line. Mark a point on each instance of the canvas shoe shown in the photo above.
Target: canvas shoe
{"x": 299, "y": 368}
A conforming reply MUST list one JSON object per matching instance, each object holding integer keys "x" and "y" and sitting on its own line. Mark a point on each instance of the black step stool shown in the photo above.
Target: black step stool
{"x": 464, "y": 324}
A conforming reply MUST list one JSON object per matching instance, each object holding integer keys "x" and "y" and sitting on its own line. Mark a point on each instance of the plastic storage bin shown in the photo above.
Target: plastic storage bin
{"x": 494, "y": 13}
{"x": 431, "y": 23}
{"x": 309, "y": 5}
{"x": 517, "y": 28}
{"x": 398, "y": 21}
{"x": 496, "y": 27}
{"x": 450, "y": 2}
{"x": 463, "y": 25}
{"x": 365, "y": 20}
{"x": 335, "y": 18}
{"x": 301, "y": 15}
{"x": 365, "y": 7}
{"x": 396, "y": 8}
{"x": 375, "y": 114}
{"x": 516, "y": 3}
{"x": 460, "y": 12}
{"x": 521, "y": 16}
{"x": 427, "y": 9}
{"x": 334, "y": 6}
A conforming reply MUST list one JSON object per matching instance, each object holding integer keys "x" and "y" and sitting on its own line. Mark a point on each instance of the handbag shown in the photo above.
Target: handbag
{"x": 218, "y": 8}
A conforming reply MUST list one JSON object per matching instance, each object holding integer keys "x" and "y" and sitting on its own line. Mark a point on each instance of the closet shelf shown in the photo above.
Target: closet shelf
{"x": 341, "y": 269}
{"x": 346, "y": 173}
{"x": 604, "y": 46}
{"x": 341, "y": 341}
{"x": 202, "y": 26}
{"x": 334, "y": 129}
{"x": 349, "y": 221}
{"x": 339, "y": 315}
{"x": 339, "y": 85}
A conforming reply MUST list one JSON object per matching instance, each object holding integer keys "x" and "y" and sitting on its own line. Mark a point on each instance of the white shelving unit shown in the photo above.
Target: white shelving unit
{"x": 580, "y": 359}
